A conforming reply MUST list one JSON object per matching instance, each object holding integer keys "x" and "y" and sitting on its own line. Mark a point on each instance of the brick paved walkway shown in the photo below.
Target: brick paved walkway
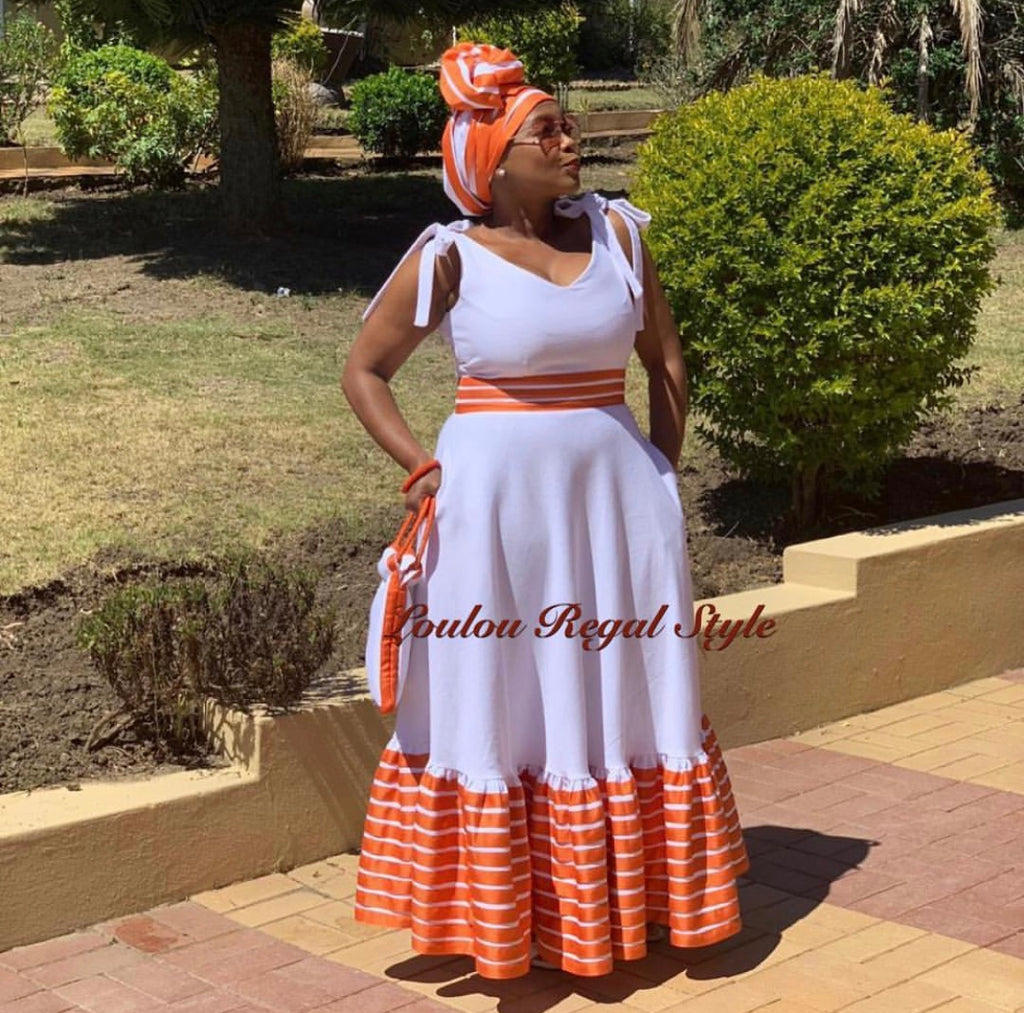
{"x": 887, "y": 875}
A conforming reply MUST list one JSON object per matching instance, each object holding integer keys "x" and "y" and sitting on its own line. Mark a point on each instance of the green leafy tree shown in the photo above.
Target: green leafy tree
{"x": 240, "y": 33}
{"x": 27, "y": 54}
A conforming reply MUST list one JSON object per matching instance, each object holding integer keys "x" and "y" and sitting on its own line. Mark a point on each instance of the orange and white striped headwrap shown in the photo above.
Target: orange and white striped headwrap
{"x": 484, "y": 87}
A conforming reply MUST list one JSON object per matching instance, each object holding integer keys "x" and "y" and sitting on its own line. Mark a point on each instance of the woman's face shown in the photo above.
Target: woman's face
{"x": 543, "y": 158}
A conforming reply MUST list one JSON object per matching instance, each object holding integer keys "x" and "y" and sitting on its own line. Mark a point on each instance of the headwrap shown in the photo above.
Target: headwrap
{"x": 484, "y": 87}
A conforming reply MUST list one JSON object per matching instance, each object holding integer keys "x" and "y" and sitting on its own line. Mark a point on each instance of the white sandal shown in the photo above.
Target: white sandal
{"x": 656, "y": 932}
{"x": 536, "y": 960}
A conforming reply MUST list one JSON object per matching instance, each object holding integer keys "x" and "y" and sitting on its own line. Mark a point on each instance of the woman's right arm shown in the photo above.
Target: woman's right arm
{"x": 387, "y": 338}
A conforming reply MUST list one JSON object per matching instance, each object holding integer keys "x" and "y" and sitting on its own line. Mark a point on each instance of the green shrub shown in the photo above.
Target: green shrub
{"x": 397, "y": 113}
{"x": 545, "y": 40}
{"x": 825, "y": 259}
{"x": 303, "y": 44}
{"x": 250, "y": 633}
{"x": 129, "y": 106}
{"x": 27, "y": 53}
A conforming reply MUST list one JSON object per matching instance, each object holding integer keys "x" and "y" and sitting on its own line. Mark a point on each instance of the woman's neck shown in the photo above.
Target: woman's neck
{"x": 531, "y": 219}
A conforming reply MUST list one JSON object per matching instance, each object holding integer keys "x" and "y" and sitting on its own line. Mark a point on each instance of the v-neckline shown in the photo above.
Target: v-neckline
{"x": 533, "y": 274}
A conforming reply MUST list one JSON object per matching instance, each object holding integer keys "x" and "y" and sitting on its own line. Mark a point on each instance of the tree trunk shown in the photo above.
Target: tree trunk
{"x": 806, "y": 490}
{"x": 250, "y": 170}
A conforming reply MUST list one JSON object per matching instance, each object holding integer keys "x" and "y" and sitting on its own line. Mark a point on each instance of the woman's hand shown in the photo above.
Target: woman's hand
{"x": 426, "y": 486}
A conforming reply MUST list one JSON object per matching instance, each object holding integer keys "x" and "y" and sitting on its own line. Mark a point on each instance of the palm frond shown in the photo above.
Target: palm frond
{"x": 685, "y": 24}
{"x": 970, "y": 14}
{"x": 924, "y": 38}
{"x": 885, "y": 32}
{"x": 1013, "y": 74}
{"x": 842, "y": 40}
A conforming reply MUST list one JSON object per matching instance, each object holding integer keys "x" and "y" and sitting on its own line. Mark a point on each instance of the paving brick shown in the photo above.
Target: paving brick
{"x": 736, "y": 997}
{"x": 14, "y": 985}
{"x": 313, "y": 873}
{"x": 213, "y": 1001}
{"x": 938, "y": 917}
{"x": 283, "y": 995}
{"x": 918, "y": 955}
{"x": 215, "y": 900}
{"x": 379, "y": 999}
{"x": 162, "y": 981}
{"x": 856, "y": 885}
{"x": 834, "y": 844}
{"x": 1010, "y": 778}
{"x": 50, "y": 950}
{"x": 194, "y": 919}
{"x": 897, "y": 901}
{"x": 252, "y": 891}
{"x": 793, "y": 984}
{"x": 309, "y": 935}
{"x": 100, "y": 994}
{"x": 952, "y": 796}
{"x": 327, "y": 974}
{"x": 37, "y": 1002}
{"x": 147, "y": 934}
{"x": 277, "y": 907}
{"x": 908, "y": 997}
{"x": 872, "y": 941}
{"x": 1012, "y": 946}
{"x": 84, "y": 965}
{"x": 978, "y": 687}
{"x": 1010, "y": 915}
{"x": 971, "y": 766}
{"x": 811, "y": 865}
{"x": 981, "y": 974}
{"x": 337, "y": 914}
{"x": 215, "y": 950}
{"x": 962, "y": 1005}
{"x": 249, "y": 963}
{"x": 914, "y": 726}
{"x": 788, "y": 880}
{"x": 881, "y": 781}
{"x": 1011, "y": 695}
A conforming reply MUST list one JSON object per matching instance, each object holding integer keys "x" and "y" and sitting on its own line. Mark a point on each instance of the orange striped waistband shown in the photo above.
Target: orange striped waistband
{"x": 590, "y": 389}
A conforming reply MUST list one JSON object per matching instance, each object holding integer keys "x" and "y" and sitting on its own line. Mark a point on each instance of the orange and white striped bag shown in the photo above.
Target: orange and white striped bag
{"x": 387, "y": 647}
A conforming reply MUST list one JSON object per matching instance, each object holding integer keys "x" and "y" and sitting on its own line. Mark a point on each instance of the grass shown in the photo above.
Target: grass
{"x": 159, "y": 396}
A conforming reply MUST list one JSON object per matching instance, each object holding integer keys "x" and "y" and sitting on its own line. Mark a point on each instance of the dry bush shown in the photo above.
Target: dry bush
{"x": 295, "y": 112}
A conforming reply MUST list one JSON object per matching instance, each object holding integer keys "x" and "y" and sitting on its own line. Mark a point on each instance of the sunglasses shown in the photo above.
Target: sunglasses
{"x": 547, "y": 133}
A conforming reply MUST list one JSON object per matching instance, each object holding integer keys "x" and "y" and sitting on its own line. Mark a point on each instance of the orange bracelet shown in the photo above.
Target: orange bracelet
{"x": 419, "y": 473}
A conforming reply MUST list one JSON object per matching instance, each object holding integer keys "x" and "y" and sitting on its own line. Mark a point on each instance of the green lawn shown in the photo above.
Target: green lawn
{"x": 158, "y": 395}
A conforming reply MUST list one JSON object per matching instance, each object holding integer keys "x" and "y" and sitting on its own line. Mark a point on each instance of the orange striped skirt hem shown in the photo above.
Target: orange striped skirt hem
{"x": 581, "y": 865}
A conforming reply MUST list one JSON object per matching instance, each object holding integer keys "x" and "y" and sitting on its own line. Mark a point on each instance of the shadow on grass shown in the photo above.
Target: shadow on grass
{"x": 344, "y": 232}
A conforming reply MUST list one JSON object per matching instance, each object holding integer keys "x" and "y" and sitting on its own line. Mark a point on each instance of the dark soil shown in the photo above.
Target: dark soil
{"x": 51, "y": 697}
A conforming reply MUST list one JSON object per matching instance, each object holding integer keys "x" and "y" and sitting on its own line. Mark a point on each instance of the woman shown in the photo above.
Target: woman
{"x": 560, "y": 786}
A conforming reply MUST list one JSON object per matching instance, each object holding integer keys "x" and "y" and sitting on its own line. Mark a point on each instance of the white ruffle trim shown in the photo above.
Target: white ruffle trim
{"x": 561, "y": 782}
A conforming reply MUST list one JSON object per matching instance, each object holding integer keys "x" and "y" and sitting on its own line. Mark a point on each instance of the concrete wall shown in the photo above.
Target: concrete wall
{"x": 861, "y": 621}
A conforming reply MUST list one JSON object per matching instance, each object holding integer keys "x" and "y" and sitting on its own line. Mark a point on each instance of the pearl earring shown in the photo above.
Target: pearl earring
{"x": 499, "y": 172}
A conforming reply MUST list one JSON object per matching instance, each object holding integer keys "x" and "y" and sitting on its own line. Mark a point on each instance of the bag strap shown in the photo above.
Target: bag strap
{"x": 412, "y": 538}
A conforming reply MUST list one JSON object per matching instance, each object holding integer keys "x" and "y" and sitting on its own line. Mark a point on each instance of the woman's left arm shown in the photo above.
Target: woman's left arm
{"x": 661, "y": 353}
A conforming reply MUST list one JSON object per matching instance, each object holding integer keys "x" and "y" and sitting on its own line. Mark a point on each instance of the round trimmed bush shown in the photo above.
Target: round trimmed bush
{"x": 825, "y": 259}
{"x": 127, "y": 105}
{"x": 397, "y": 113}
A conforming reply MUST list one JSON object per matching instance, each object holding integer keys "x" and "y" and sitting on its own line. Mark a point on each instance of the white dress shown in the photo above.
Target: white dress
{"x": 534, "y": 789}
